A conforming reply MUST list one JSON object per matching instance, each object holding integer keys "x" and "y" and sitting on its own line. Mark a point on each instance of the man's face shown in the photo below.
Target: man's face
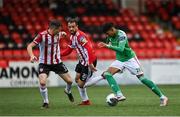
{"x": 73, "y": 27}
{"x": 111, "y": 32}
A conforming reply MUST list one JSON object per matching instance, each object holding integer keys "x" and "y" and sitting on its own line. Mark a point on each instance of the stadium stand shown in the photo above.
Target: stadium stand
{"x": 21, "y": 20}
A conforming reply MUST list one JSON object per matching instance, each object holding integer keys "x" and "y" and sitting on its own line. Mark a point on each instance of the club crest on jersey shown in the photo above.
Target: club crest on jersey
{"x": 83, "y": 39}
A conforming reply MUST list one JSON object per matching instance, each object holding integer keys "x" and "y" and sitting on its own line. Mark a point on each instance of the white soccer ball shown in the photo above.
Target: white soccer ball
{"x": 111, "y": 100}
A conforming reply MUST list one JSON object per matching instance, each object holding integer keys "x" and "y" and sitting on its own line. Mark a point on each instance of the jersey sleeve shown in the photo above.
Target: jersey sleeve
{"x": 37, "y": 39}
{"x": 121, "y": 45}
{"x": 67, "y": 51}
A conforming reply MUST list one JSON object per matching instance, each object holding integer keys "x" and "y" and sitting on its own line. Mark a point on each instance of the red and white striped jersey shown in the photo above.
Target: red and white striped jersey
{"x": 49, "y": 47}
{"x": 83, "y": 46}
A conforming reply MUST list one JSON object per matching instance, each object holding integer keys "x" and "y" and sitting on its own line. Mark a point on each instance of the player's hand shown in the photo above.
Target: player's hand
{"x": 102, "y": 45}
{"x": 91, "y": 66}
{"x": 63, "y": 34}
{"x": 33, "y": 59}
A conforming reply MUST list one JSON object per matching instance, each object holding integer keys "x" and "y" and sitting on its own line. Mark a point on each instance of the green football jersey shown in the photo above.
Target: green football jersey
{"x": 119, "y": 43}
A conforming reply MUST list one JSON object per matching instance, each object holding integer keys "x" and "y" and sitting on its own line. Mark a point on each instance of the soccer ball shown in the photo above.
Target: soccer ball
{"x": 111, "y": 100}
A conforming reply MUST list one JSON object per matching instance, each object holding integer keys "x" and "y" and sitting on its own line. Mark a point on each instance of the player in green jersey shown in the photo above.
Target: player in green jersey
{"x": 125, "y": 59}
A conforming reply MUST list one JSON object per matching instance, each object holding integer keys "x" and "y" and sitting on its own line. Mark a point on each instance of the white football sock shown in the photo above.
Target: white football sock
{"x": 44, "y": 94}
{"x": 68, "y": 88}
{"x": 83, "y": 93}
{"x": 93, "y": 81}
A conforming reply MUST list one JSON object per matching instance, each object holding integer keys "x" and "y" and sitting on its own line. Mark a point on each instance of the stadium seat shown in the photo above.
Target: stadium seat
{"x": 141, "y": 53}
{"x": 150, "y": 53}
{"x": 16, "y": 37}
{"x": 36, "y": 52}
{"x": 3, "y": 63}
{"x": 8, "y": 54}
{"x": 134, "y": 45}
{"x": 150, "y": 45}
{"x": 25, "y": 55}
{"x": 17, "y": 54}
{"x": 1, "y": 55}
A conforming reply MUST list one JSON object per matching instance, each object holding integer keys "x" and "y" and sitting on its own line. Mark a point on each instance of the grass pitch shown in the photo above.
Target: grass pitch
{"x": 140, "y": 101}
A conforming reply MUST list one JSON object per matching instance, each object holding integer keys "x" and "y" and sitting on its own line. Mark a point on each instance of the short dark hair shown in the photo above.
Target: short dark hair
{"x": 71, "y": 20}
{"x": 54, "y": 24}
{"x": 107, "y": 26}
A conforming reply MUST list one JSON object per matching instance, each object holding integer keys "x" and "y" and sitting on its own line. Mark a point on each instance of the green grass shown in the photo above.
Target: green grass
{"x": 140, "y": 101}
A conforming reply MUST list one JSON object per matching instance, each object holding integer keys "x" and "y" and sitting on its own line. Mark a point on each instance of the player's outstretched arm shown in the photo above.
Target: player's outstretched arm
{"x": 119, "y": 48}
{"x": 67, "y": 51}
{"x": 33, "y": 58}
{"x": 91, "y": 66}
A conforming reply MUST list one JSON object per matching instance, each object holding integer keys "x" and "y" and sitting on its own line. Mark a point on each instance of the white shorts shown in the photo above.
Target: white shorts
{"x": 131, "y": 65}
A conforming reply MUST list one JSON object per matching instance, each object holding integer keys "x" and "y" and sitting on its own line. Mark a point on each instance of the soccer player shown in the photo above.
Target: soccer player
{"x": 87, "y": 59}
{"x": 50, "y": 59}
{"x": 125, "y": 59}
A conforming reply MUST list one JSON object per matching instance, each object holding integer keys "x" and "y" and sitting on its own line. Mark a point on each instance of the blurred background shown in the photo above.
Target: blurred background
{"x": 152, "y": 27}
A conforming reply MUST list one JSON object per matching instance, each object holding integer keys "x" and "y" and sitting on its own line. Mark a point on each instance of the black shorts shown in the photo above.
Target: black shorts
{"x": 84, "y": 70}
{"x": 57, "y": 68}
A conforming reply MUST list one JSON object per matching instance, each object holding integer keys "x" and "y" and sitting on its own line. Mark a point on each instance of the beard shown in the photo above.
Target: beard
{"x": 73, "y": 32}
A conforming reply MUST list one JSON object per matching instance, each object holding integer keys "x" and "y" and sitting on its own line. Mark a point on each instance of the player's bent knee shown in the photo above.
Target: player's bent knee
{"x": 140, "y": 75}
{"x": 106, "y": 73}
{"x": 69, "y": 81}
{"x": 80, "y": 84}
{"x": 76, "y": 79}
{"x": 42, "y": 79}
{"x": 42, "y": 84}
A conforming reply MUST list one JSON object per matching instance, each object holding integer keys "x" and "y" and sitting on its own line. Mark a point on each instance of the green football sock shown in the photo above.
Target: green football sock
{"x": 151, "y": 85}
{"x": 113, "y": 84}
